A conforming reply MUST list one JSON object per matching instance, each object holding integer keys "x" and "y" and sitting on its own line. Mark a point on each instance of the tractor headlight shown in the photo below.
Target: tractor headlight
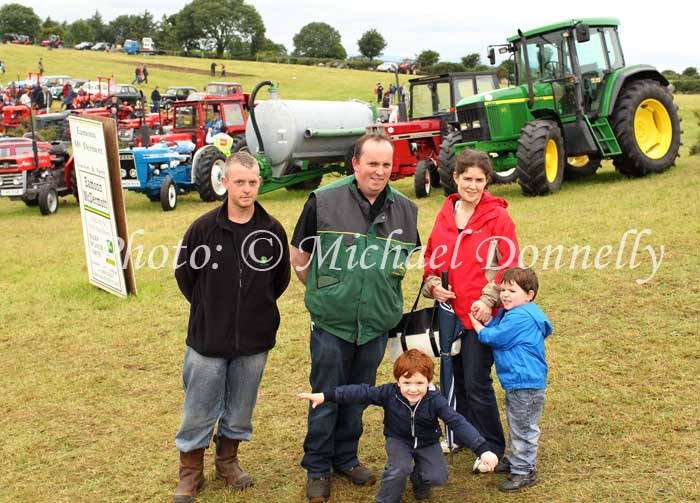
{"x": 156, "y": 172}
{"x": 132, "y": 172}
{"x": 122, "y": 172}
{"x": 17, "y": 180}
{"x": 465, "y": 126}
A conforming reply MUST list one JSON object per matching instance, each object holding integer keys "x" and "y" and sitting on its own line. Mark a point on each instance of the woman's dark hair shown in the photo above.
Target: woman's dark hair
{"x": 469, "y": 158}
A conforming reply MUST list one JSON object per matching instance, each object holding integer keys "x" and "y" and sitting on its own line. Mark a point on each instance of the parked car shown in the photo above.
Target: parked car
{"x": 83, "y": 46}
{"x": 387, "y": 67}
{"x": 173, "y": 94}
{"x": 101, "y": 46}
{"x": 126, "y": 93}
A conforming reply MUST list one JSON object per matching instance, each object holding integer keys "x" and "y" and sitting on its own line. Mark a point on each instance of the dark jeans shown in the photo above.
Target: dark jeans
{"x": 430, "y": 469}
{"x": 476, "y": 400}
{"x": 334, "y": 430}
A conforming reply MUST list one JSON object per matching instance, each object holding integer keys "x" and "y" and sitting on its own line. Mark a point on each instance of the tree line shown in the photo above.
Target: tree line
{"x": 225, "y": 27}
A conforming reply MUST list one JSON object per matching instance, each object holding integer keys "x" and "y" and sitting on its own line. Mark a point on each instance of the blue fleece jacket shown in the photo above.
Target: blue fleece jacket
{"x": 416, "y": 426}
{"x": 517, "y": 338}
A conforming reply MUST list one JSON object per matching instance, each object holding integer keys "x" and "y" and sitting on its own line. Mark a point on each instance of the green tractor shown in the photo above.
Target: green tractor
{"x": 574, "y": 104}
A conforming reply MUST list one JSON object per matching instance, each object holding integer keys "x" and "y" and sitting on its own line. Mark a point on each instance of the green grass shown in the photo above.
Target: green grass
{"x": 91, "y": 384}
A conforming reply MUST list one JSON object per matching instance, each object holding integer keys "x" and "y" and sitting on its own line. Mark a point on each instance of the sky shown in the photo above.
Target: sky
{"x": 653, "y": 35}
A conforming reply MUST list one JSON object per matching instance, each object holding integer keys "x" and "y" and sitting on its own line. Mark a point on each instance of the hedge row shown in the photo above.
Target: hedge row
{"x": 686, "y": 86}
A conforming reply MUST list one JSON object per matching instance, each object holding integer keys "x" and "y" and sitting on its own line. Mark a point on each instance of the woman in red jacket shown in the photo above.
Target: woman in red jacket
{"x": 473, "y": 239}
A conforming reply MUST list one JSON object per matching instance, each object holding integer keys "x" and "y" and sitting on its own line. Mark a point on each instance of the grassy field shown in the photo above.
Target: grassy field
{"x": 91, "y": 384}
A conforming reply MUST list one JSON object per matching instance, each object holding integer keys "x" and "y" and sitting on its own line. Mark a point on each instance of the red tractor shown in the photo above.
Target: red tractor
{"x": 218, "y": 90}
{"x": 36, "y": 172}
{"x": 53, "y": 42}
{"x": 431, "y": 118}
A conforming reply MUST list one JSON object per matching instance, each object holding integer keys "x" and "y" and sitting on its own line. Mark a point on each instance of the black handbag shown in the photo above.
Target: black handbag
{"x": 419, "y": 329}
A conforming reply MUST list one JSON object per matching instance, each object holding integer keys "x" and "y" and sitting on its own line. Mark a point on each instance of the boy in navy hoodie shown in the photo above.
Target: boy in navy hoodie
{"x": 516, "y": 335}
{"x": 412, "y": 407}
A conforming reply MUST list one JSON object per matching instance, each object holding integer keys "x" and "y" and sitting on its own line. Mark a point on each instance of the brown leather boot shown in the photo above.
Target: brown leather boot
{"x": 191, "y": 476}
{"x": 226, "y": 462}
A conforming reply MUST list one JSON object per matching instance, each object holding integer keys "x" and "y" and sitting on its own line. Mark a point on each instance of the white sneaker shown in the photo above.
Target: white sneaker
{"x": 446, "y": 449}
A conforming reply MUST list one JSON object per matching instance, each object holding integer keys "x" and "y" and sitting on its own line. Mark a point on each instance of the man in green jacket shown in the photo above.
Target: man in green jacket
{"x": 349, "y": 248}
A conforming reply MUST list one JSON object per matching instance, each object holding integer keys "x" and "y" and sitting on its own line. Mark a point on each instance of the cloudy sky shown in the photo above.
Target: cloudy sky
{"x": 655, "y": 35}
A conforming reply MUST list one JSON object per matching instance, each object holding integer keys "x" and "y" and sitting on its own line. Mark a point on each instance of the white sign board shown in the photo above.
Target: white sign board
{"x": 96, "y": 206}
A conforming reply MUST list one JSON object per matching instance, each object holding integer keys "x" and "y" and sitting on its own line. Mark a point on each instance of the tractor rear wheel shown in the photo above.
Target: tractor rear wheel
{"x": 541, "y": 158}
{"x": 647, "y": 127}
{"x": 446, "y": 162}
{"x": 168, "y": 194}
{"x": 210, "y": 169}
{"x": 48, "y": 200}
{"x": 422, "y": 179}
{"x": 581, "y": 166}
{"x": 74, "y": 184}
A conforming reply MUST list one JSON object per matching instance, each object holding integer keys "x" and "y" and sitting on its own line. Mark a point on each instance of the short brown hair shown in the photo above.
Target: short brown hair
{"x": 524, "y": 277}
{"x": 469, "y": 158}
{"x": 412, "y": 361}
{"x": 378, "y": 137}
{"x": 242, "y": 158}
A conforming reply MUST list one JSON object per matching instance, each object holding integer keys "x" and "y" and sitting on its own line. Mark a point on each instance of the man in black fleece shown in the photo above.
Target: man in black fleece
{"x": 232, "y": 267}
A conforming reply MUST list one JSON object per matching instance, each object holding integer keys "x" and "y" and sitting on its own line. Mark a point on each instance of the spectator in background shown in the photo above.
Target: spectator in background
{"x": 155, "y": 101}
{"x": 25, "y": 100}
{"x": 380, "y": 91}
{"x": 137, "y": 75}
{"x": 41, "y": 67}
{"x": 144, "y": 72}
{"x": 213, "y": 69}
{"x": 392, "y": 93}
{"x": 402, "y": 93}
{"x": 223, "y": 70}
{"x": 2, "y": 67}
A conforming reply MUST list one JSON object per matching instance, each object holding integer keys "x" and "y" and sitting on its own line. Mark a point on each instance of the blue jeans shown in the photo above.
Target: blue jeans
{"x": 476, "y": 399}
{"x": 333, "y": 431}
{"x": 430, "y": 469}
{"x": 523, "y": 410}
{"x": 223, "y": 389}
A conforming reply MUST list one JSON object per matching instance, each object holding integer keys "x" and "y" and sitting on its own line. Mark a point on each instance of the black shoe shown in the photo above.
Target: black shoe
{"x": 503, "y": 465}
{"x": 318, "y": 490}
{"x": 421, "y": 492}
{"x": 359, "y": 475}
{"x": 516, "y": 482}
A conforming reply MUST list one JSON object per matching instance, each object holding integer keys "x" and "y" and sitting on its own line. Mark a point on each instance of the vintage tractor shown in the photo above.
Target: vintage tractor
{"x": 431, "y": 117}
{"x": 575, "y": 103}
{"x": 160, "y": 171}
{"x": 53, "y": 42}
{"x": 36, "y": 172}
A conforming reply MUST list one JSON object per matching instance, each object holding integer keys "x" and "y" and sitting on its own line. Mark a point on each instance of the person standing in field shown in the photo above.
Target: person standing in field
{"x": 351, "y": 308}
{"x": 155, "y": 100}
{"x": 144, "y": 72}
{"x": 232, "y": 325}
{"x": 41, "y": 67}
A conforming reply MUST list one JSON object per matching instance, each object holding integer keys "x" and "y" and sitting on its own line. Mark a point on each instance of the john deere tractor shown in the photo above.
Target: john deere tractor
{"x": 574, "y": 103}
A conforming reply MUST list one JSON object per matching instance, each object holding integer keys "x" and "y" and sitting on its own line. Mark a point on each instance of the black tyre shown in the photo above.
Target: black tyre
{"x": 541, "y": 158}
{"x": 434, "y": 175}
{"x": 422, "y": 179}
{"x": 48, "y": 200}
{"x": 239, "y": 143}
{"x": 446, "y": 162}
{"x": 647, "y": 127}
{"x": 581, "y": 166}
{"x": 74, "y": 185}
{"x": 168, "y": 194}
{"x": 210, "y": 169}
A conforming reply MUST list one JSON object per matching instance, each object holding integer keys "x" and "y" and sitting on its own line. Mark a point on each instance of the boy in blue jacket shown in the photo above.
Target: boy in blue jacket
{"x": 412, "y": 407}
{"x": 517, "y": 335}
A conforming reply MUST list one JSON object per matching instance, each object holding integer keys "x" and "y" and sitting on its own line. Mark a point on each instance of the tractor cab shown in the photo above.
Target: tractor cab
{"x": 575, "y": 103}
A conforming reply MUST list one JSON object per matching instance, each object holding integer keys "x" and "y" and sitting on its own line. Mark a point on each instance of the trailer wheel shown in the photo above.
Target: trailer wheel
{"x": 446, "y": 162}
{"x": 581, "y": 166}
{"x": 505, "y": 176}
{"x": 210, "y": 169}
{"x": 168, "y": 194}
{"x": 647, "y": 127}
{"x": 422, "y": 181}
{"x": 48, "y": 200}
{"x": 540, "y": 158}
{"x": 239, "y": 143}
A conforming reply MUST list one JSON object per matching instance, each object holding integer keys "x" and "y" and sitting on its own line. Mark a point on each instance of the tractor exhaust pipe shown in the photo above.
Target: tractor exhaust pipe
{"x": 251, "y": 107}
{"x": 528, "y": 75}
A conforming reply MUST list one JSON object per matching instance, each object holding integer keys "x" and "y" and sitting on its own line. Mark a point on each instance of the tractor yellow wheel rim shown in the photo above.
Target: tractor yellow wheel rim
{"x": 653, "y": 129}
{"x": 579, "y": 161}
{"x": 551, "y": 161}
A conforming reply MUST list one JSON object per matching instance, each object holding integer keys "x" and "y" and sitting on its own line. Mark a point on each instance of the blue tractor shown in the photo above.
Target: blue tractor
{"x": 160, "y": 171}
